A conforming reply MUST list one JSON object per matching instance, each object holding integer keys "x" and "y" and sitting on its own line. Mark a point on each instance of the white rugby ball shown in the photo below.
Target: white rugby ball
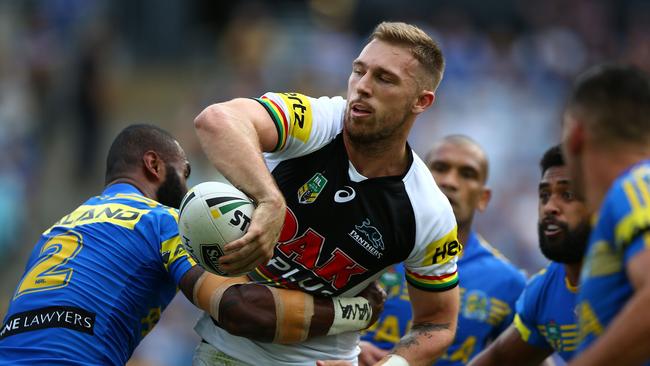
{"x": 213, "y": 214}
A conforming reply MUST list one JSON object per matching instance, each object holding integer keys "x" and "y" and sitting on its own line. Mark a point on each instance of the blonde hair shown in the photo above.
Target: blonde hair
{"x": 422, "y": 47}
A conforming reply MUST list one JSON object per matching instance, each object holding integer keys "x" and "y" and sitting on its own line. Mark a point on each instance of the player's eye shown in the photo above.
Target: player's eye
{"x": 385, "y": 79}
{"x": 469, "y": 173}
{"x": 439, "y": 167}
{"x": 544, "y": 196}
{"x": 568, "y": 196}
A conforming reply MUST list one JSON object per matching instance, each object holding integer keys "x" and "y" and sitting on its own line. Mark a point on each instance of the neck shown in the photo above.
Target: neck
{"x": 146, "y": 191}
{"x": 463, "y": 233}
{"x": 573, "y": 273}
{"x": 601, "y": 168}
{"x": 381, "y": 159}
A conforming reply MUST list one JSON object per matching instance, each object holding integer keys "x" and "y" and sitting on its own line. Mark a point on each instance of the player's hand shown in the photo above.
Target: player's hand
{"x": 256, "y": 246}
{"x": 376, "y": 296}
{"x": 370, "y": 354}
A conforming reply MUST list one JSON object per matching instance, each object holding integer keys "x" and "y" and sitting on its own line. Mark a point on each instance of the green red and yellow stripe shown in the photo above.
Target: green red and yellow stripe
{"x": 432, "y": 283}
{"x": 279, "y": 118}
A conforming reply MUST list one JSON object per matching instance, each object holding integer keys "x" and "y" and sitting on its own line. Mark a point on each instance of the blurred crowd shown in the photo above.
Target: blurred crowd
{"x": 73, "y": 72}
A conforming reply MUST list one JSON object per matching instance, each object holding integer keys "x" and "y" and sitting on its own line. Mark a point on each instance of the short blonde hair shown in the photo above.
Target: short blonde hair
{"x": 422, "y": 47}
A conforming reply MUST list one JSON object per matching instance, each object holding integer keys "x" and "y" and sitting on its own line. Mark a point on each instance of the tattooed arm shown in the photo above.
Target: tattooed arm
{"x": 434, "y": 325}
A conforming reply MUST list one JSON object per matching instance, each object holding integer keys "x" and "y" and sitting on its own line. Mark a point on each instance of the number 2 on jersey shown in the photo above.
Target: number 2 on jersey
{"x": 50, "y": 271}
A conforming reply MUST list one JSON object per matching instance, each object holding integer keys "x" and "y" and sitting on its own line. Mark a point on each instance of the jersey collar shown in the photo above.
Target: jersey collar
{"x": 121, "y": 188}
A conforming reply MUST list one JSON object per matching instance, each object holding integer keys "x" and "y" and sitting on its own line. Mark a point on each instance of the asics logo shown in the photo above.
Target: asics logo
{"x": 344, "y": 195}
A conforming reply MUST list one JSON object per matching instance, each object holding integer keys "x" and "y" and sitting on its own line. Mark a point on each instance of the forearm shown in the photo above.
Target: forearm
{"x": 277, "y": 315}
{"x": 425, "y": 343}
{"x": 272, "y": 316}
{"x": 509, "y": 349}
{"x": 625, "y": 339}
{"x": 231, "y": 143}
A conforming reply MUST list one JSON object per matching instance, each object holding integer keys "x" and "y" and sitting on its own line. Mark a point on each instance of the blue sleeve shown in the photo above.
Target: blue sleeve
{"x": 625, "y": 211}
{"x": 640, "y": 243}
{"x": 173, "y": 255}
{"x": 526, "y": 318}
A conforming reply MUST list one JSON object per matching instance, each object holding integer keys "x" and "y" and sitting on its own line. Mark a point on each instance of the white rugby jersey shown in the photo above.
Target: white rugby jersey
{"x": 342, "y": 230}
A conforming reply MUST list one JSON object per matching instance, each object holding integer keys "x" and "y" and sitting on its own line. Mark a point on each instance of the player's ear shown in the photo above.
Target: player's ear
{"x": 154, "y": 167}
{"x": 424, "y": 101}
{"x": 484, "y": 199}
{"x": 573, "y": 134}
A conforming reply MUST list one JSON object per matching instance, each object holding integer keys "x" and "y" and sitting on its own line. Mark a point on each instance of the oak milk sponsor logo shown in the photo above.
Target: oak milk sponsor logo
{"x": 368, "y": 237}
{"x": 303, "y": 261}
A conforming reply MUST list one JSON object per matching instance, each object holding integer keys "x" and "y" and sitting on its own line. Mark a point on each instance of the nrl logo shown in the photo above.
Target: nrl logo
{"x": 310, "y": 190}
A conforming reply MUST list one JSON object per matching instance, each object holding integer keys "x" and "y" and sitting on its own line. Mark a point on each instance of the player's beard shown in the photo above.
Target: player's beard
{"x": 171, "y": 191}
{"x": 373, "y": 130}
{"x": 570, "y": 248}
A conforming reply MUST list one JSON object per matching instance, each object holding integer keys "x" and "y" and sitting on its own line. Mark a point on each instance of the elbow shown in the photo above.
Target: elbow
{"x": 209, "y": 119}
{"x": 447, "y": 338}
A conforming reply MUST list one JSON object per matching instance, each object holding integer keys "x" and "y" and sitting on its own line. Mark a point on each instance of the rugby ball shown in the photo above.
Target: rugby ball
{"x": 213, "y": 214}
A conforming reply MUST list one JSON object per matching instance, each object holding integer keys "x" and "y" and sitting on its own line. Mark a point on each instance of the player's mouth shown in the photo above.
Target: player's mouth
{"x": 552, "y": 229}
{"x": 360, "y": 110}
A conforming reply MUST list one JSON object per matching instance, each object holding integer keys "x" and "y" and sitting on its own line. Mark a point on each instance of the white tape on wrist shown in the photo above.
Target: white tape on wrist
{"x": 350, "y": 314}
{"x": 394, "y": 360}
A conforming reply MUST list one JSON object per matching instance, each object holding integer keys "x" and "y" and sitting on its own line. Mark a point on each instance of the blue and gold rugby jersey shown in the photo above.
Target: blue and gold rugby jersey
{"x": 620, "y": 233}
{"x": 545, "y": 312}
{"x": 95, "y": 283}
{"x": 487, "y": 303}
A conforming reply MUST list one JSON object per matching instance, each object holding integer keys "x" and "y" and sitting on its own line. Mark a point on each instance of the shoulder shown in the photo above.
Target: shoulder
{"x": 545, "y": 278}
{"x": 156, "y": 216}
{"x": 304, "y": 124}
{"x": 298, "y": 111}
{"x": 496, "y": 262}
{"x": 624, "y": 209}
{"x": 435, "y": 209}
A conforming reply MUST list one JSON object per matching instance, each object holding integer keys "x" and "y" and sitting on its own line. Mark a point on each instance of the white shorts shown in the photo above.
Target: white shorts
{"x": 206, "y": 355}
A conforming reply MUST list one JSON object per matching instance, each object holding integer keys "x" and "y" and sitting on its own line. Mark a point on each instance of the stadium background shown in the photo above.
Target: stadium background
{"x": 74, "y": 72}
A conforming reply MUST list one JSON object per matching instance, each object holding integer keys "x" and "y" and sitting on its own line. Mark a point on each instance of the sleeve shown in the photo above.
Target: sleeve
{"x": 303, "y": 123}
{"x": 628, "y": 207}
{"x": 431, "y": 266}
{"x": 173, "y": 255}
{"x": 524, "y": 320}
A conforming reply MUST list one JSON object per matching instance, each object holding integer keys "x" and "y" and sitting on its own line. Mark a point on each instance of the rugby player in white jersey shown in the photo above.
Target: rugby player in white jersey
{"x": 344, "y": 197}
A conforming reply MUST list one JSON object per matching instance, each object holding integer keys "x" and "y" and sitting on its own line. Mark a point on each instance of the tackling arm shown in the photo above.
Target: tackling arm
{"x": 276, "y": 315}
{"x": 509, "y": 349}
{"x": 625, "y": 340}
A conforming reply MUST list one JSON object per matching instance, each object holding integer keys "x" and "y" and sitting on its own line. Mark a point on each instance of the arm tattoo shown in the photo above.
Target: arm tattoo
{"x": 424, "y": 329}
